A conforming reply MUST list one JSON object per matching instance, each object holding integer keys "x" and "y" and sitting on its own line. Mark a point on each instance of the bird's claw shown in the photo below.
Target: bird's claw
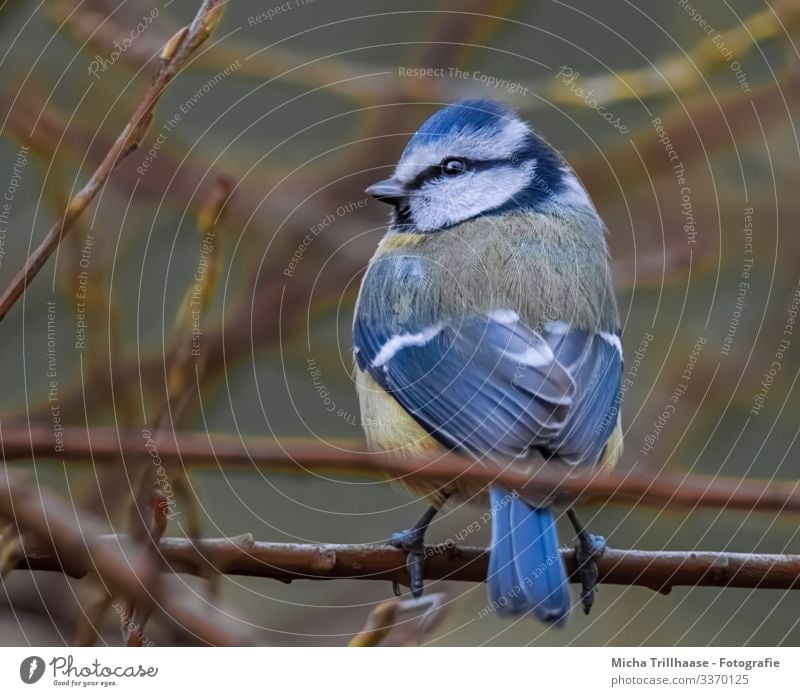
{"x": 588, "y": 549}
{"x": 412, "y": 541}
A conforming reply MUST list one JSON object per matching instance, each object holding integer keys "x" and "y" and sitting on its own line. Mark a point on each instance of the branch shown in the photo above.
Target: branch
{"x": 114, "y": 447}
{"x": 657, "y": 570}
{"x": 81, "y": 544}
{"x": 173, "y": 56}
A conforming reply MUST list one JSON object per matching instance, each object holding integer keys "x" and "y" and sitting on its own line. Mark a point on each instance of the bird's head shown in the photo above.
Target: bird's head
{"x": 471, "y": 159}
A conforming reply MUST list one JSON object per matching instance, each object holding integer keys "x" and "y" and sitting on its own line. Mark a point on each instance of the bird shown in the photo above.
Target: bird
{"x": 486, "y": 325}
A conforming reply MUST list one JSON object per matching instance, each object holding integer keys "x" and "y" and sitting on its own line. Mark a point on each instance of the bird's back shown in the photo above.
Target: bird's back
{"x": 549, "y": 272}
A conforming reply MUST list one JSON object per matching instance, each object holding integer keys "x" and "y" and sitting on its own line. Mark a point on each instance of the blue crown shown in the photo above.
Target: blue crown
{"x": 466, "y": 116}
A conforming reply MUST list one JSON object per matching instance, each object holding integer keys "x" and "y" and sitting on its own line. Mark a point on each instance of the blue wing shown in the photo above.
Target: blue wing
{"x": 492, "y": 385}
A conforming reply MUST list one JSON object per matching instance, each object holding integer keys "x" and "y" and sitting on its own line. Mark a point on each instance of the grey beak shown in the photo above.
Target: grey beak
{"x": 387, "y": 191}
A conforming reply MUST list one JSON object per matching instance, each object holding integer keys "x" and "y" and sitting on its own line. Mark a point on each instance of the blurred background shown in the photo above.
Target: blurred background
{"x": 679, "y": 118}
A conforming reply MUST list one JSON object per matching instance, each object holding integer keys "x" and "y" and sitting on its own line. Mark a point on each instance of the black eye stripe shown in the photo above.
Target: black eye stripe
{"x": 435, "y": 170}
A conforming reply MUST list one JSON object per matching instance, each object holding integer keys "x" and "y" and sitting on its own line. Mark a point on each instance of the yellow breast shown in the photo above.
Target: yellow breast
{"x": 389, "y": 429}
{"x": 387, "y": 426}
{"x": 613, "y": 449}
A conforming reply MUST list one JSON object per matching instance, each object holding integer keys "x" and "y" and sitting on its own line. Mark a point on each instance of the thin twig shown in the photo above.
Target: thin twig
{"x": 672, "y": 489}
{"x": 657, "y": 570}
{"x": 174, "y": 55}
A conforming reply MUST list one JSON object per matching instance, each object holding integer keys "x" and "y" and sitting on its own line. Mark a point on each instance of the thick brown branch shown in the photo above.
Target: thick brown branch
{"x": 112, "y": 447}
{"x": 174, "y": 55}
{"x": 656, "y": 570}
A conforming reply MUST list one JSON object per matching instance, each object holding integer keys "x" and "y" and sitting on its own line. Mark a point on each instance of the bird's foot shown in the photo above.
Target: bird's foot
{"x": 412, "y": 541}
{"x": 588, "y": 549}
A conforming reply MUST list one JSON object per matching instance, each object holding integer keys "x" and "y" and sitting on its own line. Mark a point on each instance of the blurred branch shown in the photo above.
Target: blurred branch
{"x": 384, "y": 619}
{"x": 454, "y": 33}
{"x": 12, "y": 549}
{"x": 457, "y": 28}
{"x": 379, "y": 624}
{"x": 82, "y": 543}
{"x": 681, "y": 71}
{"x": 110, "y": 446}
{"x": 188, "y": 360}
{"x": 173, "y": 56}
{"x": 657, "y": 570}
{"x": 698, "y": 130}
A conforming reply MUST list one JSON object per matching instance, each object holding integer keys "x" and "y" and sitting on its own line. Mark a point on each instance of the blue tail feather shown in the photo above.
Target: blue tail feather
{"x": 503, "y": 584}
{"x": 526, "y": 573}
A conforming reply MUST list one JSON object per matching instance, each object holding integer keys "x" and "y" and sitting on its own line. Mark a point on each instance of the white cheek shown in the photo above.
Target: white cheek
{"x": 449, "y": 201}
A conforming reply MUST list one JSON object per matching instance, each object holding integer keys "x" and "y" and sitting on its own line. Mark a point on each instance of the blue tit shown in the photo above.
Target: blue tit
{"x": 486, "y": 324}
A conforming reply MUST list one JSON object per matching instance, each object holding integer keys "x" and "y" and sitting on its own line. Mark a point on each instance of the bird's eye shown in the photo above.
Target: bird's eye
{"x": 453, "y": 165}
